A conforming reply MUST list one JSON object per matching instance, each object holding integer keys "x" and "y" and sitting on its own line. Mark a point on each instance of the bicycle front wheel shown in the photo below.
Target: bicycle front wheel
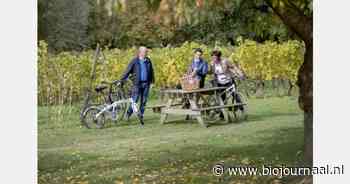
{"x": 91, "y": 121}
{"x": 242, "y": 109}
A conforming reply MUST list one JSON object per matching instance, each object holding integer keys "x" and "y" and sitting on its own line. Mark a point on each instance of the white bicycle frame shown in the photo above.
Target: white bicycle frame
{"x": 230, "y": 90}
{"x": 129, "y": 101}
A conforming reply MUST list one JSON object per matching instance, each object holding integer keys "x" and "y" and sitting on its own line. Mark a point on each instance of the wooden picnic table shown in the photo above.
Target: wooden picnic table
{"x": 194, "y": 109}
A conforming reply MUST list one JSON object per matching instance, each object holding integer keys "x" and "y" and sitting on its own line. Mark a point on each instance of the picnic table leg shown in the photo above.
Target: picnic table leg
{"x": 227, "y": 115}
{"x": 198, "y": 117}
{"x": 164, "y": 116}
{"x": 185, "y": 99}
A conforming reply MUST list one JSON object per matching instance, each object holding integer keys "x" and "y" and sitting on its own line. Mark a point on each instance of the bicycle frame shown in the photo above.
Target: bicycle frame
{"x": 230, "y": 90}
{"x": 113, "y": 105}
{"x": 129, "y": 101}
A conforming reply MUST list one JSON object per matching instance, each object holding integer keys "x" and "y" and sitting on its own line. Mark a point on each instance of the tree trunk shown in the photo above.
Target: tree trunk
{"x": 308, "y": 138}
{"x": 305, "y": 82}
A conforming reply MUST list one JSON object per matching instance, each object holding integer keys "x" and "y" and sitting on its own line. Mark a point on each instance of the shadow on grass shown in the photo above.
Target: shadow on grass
{"x": 262, "y": 117}
{"x": 217, "y": 122}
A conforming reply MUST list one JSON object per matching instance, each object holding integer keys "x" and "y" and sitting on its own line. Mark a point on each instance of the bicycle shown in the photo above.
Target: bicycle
{"x": 114, "y": 107}
{"x": 230, "y": 92}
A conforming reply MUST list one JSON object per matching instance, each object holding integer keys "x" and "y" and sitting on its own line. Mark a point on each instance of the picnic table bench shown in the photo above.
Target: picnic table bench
{"x": 158, "y": 108}
{"x": 194, "y": 109}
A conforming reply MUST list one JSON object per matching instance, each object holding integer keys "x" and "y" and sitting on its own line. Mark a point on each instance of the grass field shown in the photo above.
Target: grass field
{"x": 177, "y": 152}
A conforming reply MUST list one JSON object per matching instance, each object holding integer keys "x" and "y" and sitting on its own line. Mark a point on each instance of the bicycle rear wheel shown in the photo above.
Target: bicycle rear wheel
{"x": 90, "y": 120}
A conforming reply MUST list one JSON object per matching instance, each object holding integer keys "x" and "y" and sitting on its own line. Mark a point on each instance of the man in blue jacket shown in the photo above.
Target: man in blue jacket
{"x": 141, "y": 67}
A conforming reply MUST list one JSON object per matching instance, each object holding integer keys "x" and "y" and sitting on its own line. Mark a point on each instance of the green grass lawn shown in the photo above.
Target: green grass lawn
{"x": 177, "y": 152}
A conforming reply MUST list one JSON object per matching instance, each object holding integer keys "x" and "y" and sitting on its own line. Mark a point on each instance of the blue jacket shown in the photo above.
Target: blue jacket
{"x": 202, "y": 69}
{"x": 134, "y": 68}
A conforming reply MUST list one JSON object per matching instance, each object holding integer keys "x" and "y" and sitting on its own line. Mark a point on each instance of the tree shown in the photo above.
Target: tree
{"x": 102, "y": 24}
{"x": 72, "y": 25}
{"x": 217, "y": 20}
{"x": 63, "y": 23}
{"x": 297, "y": 15}
{"x": 42, "y": 13}
{"x": 137, "y": 27}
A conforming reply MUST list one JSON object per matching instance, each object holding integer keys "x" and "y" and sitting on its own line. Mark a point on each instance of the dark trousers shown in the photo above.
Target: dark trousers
{"x": 201, "y": 83}
{"x": 140, "y": 92}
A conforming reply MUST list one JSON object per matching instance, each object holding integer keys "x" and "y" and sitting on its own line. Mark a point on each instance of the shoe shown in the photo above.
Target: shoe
{"x": 141, "y": 119}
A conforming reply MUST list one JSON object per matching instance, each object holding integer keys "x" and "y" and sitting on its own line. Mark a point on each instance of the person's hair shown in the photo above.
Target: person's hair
{"x": 198, "y": 50}
{"x": 142, "y": 48}
{"x": 216, "y": 53}
{"x": 139, "y": 49}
